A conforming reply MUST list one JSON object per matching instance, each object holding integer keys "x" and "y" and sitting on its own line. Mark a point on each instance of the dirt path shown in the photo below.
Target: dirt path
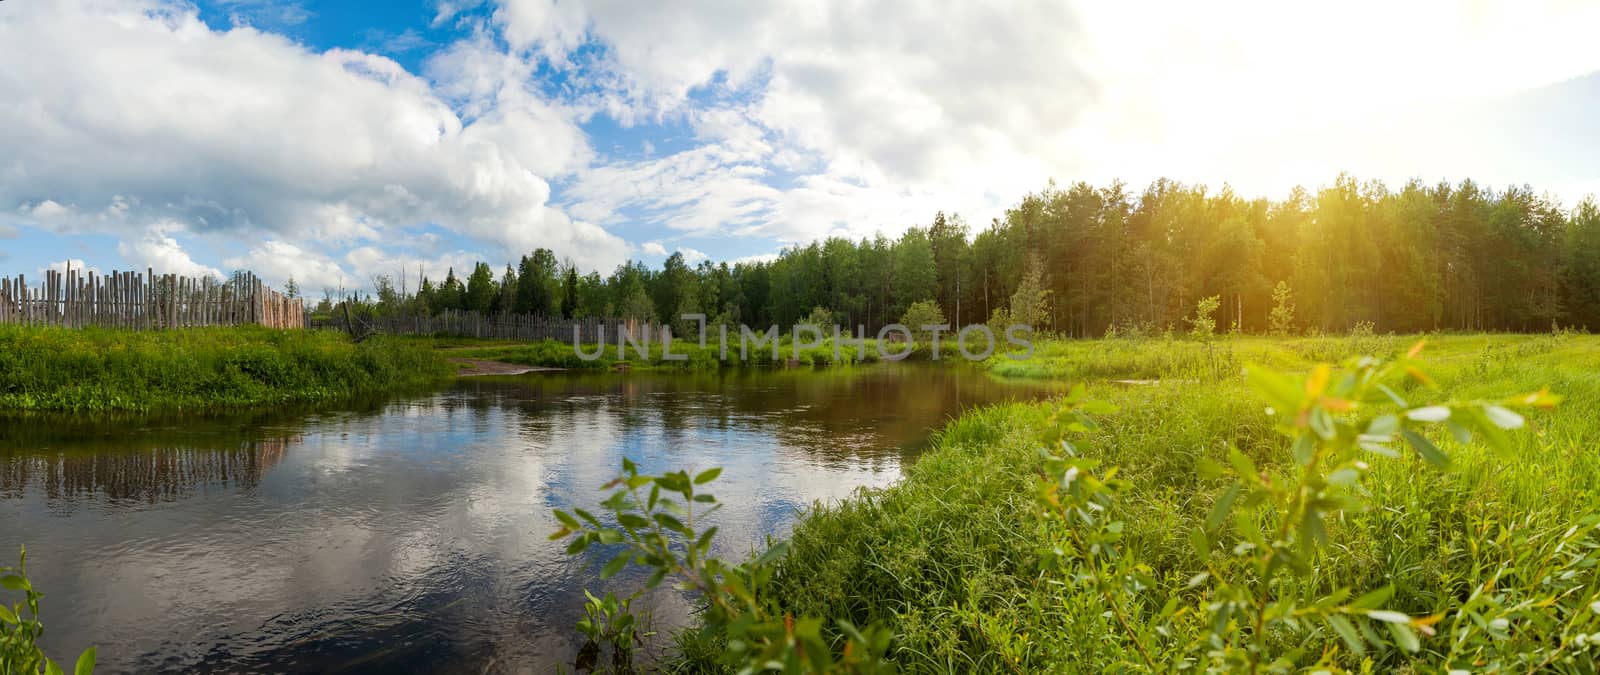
{"x": 473, "y": 367}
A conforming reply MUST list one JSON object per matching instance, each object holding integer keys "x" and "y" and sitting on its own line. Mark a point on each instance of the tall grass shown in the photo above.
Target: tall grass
{"x": 45, "y": 368}
{"x": 1496, "y": 547}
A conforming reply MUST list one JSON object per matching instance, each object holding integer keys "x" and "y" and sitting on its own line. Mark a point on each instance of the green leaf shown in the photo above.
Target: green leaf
{"x": 567, "y": 520}
{"x": 1346, "y": 632}
{"x": 1304, "y": 448}
{"x": 1344, "y": 476}
{"x": 1432, "y": 413}
{"x": 6, "y": 615}
{"x": 773, "y": 553}
{"x": 1385, "y": 425}
{"x": 612, "y": 568}
{"x": 676, "y": 481}
{"x": 1281, "y": 391}
{"x": 1220, "y": 510}
{"x": 704, "y": 541}
{"x": 1424, "y": 447}
{"x": 1503, "y": 418}
{"x": 708, "y": 475}
{"x": 1404, "y": 637}
{"x": 1374, "y": 599}
{"x": 85, "y": 663}
{"x": 1377, "y": 447}
{"x": 1200, "y": 542}
{"x": 50, "y": 668}
{"x": 669, "y": 522}
{"x": 1388, "y": 616}
{"x": 656, "y": 577}
{"x": 1322, "y": 423}
{"x": 1490, "y": 431}
{"x": 1401, "y": 402}
{"x": 15, "y": 583}
{"x": 1243, "y": 466}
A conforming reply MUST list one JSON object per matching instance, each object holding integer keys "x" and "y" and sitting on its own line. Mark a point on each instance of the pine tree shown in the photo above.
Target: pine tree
{"x": 1281, "y": 320}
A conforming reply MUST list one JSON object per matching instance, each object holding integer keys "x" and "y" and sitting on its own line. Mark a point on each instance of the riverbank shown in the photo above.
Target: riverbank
{"x": 1493, "y": 556}
{"x": 199, "y": 369}
{"x": 1166, "y": 358}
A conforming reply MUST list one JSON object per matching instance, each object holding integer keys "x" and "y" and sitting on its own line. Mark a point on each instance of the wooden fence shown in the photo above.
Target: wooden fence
{"x": 526, "y": 327}
{"x": 145, "y": 301}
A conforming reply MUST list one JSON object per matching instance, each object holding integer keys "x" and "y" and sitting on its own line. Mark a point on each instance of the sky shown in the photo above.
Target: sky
{"x": 336, "y": 141}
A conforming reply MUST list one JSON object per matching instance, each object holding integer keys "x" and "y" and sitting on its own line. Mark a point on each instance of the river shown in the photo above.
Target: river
{"x": 410, "y": 535}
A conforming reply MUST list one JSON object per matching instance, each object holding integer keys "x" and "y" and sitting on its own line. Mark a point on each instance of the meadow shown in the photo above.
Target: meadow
{"x": 197, "y": 369}
{"x": 1476, "y": 551}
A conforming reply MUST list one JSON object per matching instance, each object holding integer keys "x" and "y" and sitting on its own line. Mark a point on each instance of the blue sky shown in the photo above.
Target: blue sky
{"x": 335, "y": 141}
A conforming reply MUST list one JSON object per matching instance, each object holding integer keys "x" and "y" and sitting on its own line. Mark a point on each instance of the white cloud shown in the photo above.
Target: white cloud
{"x": 276, "y": 261}
{"x": 889, "y": 111}
{"x": 157, "y": 250}
{"x": 804, "y": 119}
{"x": 246, "y": 132}
{"x": 46, "y": 210}
{"x": 692, "y": 256}
{"x": 896, "y": 91}
{"x": 62, "y": 266}
{"x": 758, "y": 258}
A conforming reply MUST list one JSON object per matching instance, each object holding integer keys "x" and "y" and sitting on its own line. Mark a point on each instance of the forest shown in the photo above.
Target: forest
{"x": 1421, "y": 257}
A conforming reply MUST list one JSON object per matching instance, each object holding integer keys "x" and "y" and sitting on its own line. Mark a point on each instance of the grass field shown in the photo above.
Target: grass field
{"x": 1495, "y": 556}
{"x": 201, "y": 368}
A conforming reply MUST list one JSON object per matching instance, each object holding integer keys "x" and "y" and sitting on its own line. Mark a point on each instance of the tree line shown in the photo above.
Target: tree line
{"x": 1086, "y": 260}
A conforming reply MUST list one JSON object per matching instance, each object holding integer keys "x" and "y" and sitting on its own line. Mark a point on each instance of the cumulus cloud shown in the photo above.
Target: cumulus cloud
{"x": 247, "y": 132}
{"x": 888, "y": 111}
{"x": 277, "y": 261}
{"x": 898, "y": 91}
{"x": 62, "y": 266}
{"x": 156, "y": 249}
{"x": 758, "y": 258}
{"x": 778, "y": 121}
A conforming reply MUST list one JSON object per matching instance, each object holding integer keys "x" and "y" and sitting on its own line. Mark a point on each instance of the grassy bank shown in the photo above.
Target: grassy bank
{"x": 1496, "y": 556}
{"x": 201, "y": 368}
{"x": 1182, "y": 359}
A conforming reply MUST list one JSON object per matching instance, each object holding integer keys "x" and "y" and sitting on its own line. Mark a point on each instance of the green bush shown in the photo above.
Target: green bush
{"x": 20, "y": 629}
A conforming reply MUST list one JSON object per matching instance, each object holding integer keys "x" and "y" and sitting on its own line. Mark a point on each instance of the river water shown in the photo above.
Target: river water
{"x": 411, "y": 535}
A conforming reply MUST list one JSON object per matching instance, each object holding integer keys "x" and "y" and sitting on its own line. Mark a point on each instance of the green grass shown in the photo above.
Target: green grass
{"x": 201, "y": 368}
{"x": 949, "y": 557}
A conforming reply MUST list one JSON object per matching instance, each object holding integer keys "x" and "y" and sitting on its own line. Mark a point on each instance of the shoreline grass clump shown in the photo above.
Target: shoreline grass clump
{"x": 196, "y": 369}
